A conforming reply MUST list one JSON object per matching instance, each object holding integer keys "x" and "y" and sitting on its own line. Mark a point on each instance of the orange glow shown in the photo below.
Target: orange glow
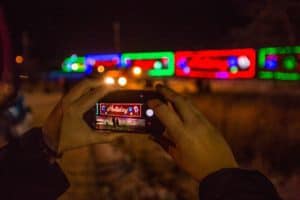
{"x": 122, "y": 81}
{"x": 109, "y": 80}
{"x": 100, "y": 69}
{"x": 19, "y": 59}
{"x": 137, "y": 71}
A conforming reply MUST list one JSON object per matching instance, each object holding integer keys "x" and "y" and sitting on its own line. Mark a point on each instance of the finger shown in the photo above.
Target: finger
{"x": 88, "y": 100}
{"x": 168, "y": 118}
{"x": 180, "y": 104}
{"x": 81, "y": 88}
{"x": 97, "y": 137}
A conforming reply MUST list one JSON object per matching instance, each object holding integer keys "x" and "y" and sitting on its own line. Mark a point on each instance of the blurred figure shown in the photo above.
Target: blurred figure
{"x": 14, "y": 118}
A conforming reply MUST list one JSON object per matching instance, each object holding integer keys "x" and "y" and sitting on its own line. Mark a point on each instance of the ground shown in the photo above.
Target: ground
{"x": 262, "y": 131}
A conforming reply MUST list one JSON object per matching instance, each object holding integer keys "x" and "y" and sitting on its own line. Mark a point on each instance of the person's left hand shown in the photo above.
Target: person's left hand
{"x": 65, "y": 128}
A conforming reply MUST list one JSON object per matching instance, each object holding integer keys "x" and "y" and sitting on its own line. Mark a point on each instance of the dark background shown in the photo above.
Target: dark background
{"x": 58, "y": 29}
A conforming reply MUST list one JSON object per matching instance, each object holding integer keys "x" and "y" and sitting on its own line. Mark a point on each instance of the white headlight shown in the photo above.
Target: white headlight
{"x": 109, "y": 80}
{"x": 122, "y": 81}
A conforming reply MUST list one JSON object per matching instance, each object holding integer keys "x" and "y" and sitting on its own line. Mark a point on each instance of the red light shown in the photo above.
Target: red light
{"x": 216, "y": 64}
{"x": 144, "y": 64}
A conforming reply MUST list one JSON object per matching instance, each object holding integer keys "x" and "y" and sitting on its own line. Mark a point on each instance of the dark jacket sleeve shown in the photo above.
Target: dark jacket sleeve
{"x": 25, "y": 170}
{"x": 237, "y": 184}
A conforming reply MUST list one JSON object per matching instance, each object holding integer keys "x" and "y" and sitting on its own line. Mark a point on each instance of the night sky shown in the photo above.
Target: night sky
{"x": 60, "y": 29}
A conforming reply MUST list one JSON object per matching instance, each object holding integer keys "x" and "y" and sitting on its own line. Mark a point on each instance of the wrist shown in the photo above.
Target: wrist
{"x": 49, "y": 141}
{"x": 51, "y": 146}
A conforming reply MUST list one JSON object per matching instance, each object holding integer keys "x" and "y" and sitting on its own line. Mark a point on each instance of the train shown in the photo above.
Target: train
{"x": 144, "y": 69}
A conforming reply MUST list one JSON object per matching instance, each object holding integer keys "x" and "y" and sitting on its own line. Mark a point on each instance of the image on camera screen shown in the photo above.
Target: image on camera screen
{"x": 120, "y": 117}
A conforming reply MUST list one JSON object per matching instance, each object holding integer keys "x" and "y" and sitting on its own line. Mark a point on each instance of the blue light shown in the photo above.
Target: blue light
{"x": 271, "y": 64}
{"x": 104, "y": 57}
{"x": 182, "y": 63}
{"x": 89, "y": 69}
{"x": 69, "y": 75}
{"x": 232, "y": 61}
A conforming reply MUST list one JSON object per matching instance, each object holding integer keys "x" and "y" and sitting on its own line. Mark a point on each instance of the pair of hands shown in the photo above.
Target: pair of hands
{"x": 189, "y": 138}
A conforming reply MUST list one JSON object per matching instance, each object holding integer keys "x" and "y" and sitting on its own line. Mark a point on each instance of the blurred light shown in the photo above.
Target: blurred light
{"x": 186, "y": 70}
{"x": 22, "y": 76}
{"x": 19, "y": 59}
{"x": 234, "y": 69}
{"x": 91, "y": 61}
{"x": 75, "y": 66}
{"x": 232, "y": 61}
{"x": 165, "y": 61}
{"x": 244, "y": 62}
{"x": 122, "y": 81}
{"x": 216, "y": 64}
{"x": 137, "y": 71}
{"x": 290, "y": 63}
{"x": 100, "y": 68}
{"x": 127, "y": 62}
{"x": 279, "y": 63}
{"x": 287, "y": 76}
{"x": 109, "y": 80}
{"x": 74, "y": 56}
{"x": 150, "y": 57}
{"x": 149, "y": 112}
{"x": 157, "y": 65}
{"x": 222, "y": 75}
{"x": 271, "y": 64}
{"x": 182, "y": 63}
{"x": 266, "y": 75}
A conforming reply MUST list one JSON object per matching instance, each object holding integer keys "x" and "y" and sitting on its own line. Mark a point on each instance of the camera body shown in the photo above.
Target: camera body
{"x": 125, "y": 111}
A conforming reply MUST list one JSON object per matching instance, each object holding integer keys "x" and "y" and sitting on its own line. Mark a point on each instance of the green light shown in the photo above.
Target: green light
{"x": 279, "y": 76}
{"x": 74, "y": 64}
{"x": 234, "y": 69}
{"x": 265, "y": 75}
{"x": 168, "y": 71}
{"x": 290, "y": 63}
{"x": 263, "y": 52}
{"x": 158, "y": 65}
{"x": 287, "y": 76}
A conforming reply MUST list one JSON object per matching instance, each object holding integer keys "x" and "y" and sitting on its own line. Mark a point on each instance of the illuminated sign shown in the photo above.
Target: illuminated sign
{"x": 216, "y": 64}
{"x": 74, "y": 64}
{"x": 156, "y": 64}
{"x": 281, "y": 63}
{"x": 100, "y": 62}
{"x": 119, "y": 109}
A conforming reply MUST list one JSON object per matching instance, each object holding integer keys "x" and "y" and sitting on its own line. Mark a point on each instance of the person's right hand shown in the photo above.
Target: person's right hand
{"x": 195, "y": 145}
{"x": 65, "y": 128}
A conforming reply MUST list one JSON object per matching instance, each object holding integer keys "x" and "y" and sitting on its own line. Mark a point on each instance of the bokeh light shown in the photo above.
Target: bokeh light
{"x": 19, "y": 59}
{"x": 75, "y": 66}
{"x": 137, "y": 71}
{"x": 100, "y": 68}
{"x": 109, "y": 80}
{"x": 290, "y": 63}
{"x": 122, "y": 81}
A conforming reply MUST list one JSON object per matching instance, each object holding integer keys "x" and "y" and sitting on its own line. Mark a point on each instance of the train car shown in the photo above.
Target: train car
{"x": 279, "y": 63}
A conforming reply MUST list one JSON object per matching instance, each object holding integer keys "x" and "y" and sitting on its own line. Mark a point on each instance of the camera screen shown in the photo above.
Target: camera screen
{"x": 127, "y": 117}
